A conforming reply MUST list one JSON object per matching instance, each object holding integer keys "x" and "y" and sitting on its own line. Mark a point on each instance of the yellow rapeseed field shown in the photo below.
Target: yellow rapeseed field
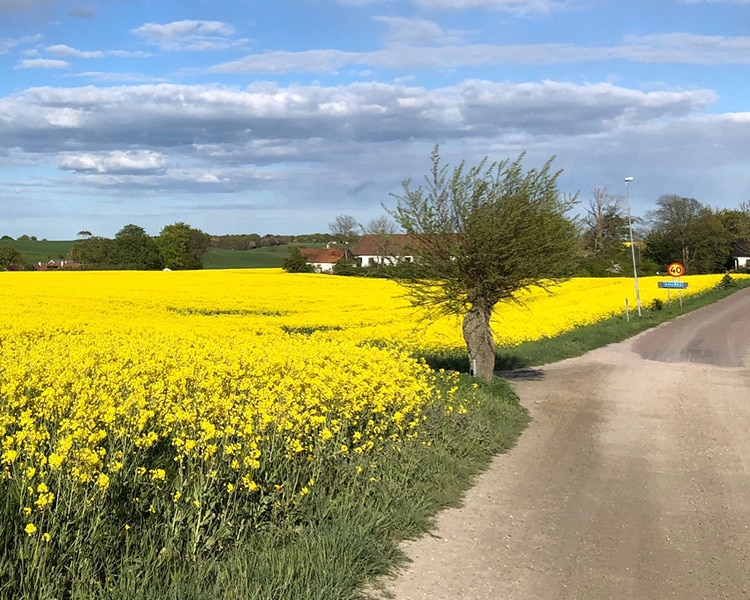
{"x": 241, "y": 378}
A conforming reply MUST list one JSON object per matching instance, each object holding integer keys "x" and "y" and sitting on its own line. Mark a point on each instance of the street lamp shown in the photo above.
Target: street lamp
{"x": 632, "y": 246}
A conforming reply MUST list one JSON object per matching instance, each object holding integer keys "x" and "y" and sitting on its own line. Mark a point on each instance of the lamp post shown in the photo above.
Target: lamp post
{"x": 632, "y": 246}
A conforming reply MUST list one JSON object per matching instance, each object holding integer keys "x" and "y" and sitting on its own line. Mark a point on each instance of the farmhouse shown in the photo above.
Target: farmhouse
{"x": 323, "y": 259}
{"x": 388, "y": 249}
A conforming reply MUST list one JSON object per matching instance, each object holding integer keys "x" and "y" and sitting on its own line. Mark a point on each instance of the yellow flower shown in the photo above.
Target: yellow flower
{"x": 46, "y": 538}
{"x": 30, "y": 529}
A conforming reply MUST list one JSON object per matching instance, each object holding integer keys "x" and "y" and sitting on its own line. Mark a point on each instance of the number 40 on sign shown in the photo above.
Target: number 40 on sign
{"x": 676, "y": 269}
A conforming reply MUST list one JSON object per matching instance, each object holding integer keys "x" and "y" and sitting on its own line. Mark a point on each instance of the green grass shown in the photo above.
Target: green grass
{"x": 40, "y": 251}
{"x": 258, "y": 258}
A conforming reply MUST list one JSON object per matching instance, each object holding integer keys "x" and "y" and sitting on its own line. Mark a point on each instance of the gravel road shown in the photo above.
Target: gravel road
{"x": 632, "y": 481}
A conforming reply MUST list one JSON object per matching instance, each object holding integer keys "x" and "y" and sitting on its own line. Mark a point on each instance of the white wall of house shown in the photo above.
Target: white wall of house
{"x": 741, "y": 262}
{"x": 367, "y": 260}
{"x": 322, "y": 267}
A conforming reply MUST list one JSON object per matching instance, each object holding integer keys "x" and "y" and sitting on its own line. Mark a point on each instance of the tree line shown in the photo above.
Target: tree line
{"x": 677, "y": 229}
{"x": 178, "y": 246}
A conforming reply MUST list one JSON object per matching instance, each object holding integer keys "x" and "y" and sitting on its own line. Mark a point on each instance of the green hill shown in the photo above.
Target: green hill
{"x": 216, "y": 258}
{"x": 40, "y": 251}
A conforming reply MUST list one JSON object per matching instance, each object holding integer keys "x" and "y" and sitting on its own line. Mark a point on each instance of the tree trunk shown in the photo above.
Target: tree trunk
{"x": 479, "y": 342}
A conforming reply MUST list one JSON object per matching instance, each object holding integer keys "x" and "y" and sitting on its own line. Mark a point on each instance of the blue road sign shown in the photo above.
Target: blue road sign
{"x": 673, "y": 285}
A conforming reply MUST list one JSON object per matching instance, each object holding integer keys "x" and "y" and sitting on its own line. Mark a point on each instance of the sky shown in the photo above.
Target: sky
{"x": 243, "y": 116}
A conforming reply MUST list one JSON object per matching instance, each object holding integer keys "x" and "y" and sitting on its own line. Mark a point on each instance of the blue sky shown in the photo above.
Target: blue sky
{"x": 241, "y": 116}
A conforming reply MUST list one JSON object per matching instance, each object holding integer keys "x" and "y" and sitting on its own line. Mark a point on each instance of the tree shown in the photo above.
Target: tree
{"x": 383, "y": 228}
{"x": 482, "y": 235}
{"x": 135, "y": 249}
{"x": 295, "y": 262}
{"x": 344, "y": 228}
{"x": 8, "y": 256}
{"x": 604, "y": 229}
{"x": 682, "y": 229}
{"x": 93, "y": 251}
{"x": 181, "y": 246}
{"x": 84, "y": 234}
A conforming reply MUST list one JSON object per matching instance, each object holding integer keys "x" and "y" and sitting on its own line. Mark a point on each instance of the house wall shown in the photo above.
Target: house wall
{"x": 323, "y": 267}
{"x": 367, "y": 260}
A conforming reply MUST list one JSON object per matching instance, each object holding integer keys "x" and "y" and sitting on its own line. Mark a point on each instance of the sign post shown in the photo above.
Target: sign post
{"x": 676, "y": 270}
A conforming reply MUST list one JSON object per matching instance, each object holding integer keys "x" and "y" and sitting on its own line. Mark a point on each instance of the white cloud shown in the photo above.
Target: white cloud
{"x": 68, "y": 52}
{"x": 42, "y": 63}
{"x": 189, "y": 35}
{"x": 118, "y": 162}
{"x": 418, "y": 31}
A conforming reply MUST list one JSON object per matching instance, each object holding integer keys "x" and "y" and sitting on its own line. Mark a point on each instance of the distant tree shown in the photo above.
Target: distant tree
{"x": 482, "y": 235}
{"x": 134, "y": 248}
{"x": 23, "y": 238}
{"x": 6, "y": 237}
{"x": 345, "y": 229}
{"x": 295, "y": 262}
{"x": 8, "y": 256}
{"x": 682, "y": 229}
{"x": 84, "y": 235}
{"x": 182, "y": 246}
{"x": 604, "y": 230}
{"x": 93, "y": 252}
{"x": 33, "y": 238}
{"x": 268, "y": 240}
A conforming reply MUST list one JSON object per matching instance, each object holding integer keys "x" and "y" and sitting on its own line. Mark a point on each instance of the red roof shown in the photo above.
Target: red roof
{"x": 322, "y": 255}
{"x": 393, "y": 244}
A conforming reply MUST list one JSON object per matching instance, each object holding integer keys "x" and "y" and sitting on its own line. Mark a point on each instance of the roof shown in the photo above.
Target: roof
{"x": 322, "y": 255}
{"x": 395, "y": 244}
{"x": 741, "y": 248}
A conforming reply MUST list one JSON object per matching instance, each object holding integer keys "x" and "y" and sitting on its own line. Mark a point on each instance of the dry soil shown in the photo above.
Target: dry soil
{"x": 632, "y": 480}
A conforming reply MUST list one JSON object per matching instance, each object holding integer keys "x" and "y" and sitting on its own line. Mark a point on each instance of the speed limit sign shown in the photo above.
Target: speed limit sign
{"x": 676, "y": 269}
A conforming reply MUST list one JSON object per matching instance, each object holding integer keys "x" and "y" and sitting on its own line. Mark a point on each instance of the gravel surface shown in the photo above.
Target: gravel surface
{"x": 632, "y": 481}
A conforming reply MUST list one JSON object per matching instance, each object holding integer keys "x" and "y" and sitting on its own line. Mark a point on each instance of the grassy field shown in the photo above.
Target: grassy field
{"x": 216, "y": 258}
{"x": 258, "y": 258}
{"x": 40, "y": 251}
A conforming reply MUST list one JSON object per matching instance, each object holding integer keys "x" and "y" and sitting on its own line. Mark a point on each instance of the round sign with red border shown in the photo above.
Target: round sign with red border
{"x": 676, "y": 269}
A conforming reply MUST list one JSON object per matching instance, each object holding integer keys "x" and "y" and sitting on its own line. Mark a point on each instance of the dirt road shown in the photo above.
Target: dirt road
{"x": 632, "y": 481}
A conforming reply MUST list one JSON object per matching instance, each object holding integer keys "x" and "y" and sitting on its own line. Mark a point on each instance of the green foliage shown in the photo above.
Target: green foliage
{"x": 684, "y": 230}
{"x": 656, "y": 304}
{"x": 481, "y": 235}
{"x": 93, "y": 252}
{"x": 134, "y": 249}
{"x": 345, "y": 267}
{"x": 726, "y": 282}
{"x": 181, "y": 246}
{"x": 8, "y": 256}
{"x": 295, "y": 262}
{"x": 485, "y": 233}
